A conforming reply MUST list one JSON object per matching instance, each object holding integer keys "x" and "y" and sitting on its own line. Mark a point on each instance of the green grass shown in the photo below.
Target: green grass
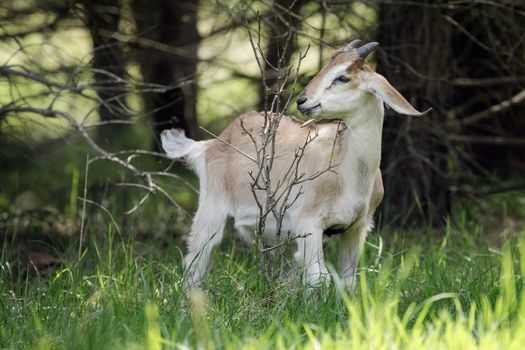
{"x": 451, "y": 292}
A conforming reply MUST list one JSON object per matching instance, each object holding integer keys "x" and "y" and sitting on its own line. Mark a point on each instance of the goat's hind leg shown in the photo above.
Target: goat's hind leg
{"x": 207, "y": 231}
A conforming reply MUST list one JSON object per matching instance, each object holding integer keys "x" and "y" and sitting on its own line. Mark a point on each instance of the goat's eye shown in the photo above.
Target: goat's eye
{"x": 342, "y": 79}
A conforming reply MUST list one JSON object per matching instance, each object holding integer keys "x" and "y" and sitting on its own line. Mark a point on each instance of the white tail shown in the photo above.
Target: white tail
{"x": 177, "y": 145}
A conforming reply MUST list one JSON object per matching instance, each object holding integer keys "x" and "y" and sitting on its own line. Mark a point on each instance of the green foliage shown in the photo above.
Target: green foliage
{"x": 459, "y": 294}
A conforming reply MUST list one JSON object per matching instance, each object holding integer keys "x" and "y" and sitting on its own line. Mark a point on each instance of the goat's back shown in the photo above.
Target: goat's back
{"x": 231, "y": 168}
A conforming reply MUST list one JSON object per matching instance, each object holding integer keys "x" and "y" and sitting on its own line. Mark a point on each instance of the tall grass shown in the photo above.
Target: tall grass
{"x": 453, "y": 293}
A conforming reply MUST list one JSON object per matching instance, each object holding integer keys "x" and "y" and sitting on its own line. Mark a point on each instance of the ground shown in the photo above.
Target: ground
{"x": 418, "y": 288}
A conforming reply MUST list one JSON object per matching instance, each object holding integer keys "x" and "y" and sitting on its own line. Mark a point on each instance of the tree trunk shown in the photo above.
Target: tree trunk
{"x": 415, "y": 47}
{"x": 462, "y": 60}
{"x": 282, "y": 43}
{"x": 102, "y": 19}
{"x": 172, "y": 23}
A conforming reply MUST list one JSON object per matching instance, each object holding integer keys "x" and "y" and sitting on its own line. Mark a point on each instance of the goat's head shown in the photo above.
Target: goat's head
{"x": 346, "y": 82}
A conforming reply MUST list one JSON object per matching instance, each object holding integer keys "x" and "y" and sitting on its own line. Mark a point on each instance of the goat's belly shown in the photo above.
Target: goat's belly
{"x": 246, "y": 227}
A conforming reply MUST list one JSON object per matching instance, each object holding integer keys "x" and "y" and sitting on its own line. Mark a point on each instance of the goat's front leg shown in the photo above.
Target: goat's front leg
{"x": 350, "y": 247}
{"x": 206, "y": 233}
{"x": 309, "y": 256}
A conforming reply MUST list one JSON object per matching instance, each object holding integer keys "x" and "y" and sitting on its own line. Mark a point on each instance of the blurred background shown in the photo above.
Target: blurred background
{"x": 86, "y": 87}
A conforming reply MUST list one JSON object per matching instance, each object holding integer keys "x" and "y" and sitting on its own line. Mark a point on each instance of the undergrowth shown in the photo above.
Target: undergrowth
{"x": 454, "y": 291}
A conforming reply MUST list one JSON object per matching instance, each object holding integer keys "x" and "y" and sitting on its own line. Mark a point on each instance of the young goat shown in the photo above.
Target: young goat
{"x": 343, "y": 199}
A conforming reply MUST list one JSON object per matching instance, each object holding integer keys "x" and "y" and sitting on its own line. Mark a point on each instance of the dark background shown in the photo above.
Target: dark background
{"x": 125, "y": 70}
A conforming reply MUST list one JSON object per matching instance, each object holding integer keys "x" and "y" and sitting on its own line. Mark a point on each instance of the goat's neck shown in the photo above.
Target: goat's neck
{"x": 363, "y": 144}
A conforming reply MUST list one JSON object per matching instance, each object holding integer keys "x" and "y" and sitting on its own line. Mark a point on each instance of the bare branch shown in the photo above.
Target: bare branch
{"x": 503, "y": 105}
{"x": 228, "y": 144}
{"x": 147, "y": 176}
{"x": 488, "y": 140}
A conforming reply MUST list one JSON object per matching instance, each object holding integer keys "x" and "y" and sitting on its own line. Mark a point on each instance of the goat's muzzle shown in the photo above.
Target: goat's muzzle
{"x": 314, "y": 110}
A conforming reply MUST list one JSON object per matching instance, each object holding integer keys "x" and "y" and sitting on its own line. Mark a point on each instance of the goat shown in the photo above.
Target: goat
{"x": 345, "y": 88}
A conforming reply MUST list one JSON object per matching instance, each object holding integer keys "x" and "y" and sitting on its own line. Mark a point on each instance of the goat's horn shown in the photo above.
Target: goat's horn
{"x": 352, "y": 44}
{"x": 366, "y": 49}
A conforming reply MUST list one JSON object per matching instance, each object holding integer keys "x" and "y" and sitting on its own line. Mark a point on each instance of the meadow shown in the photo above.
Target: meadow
{"x": 448, "y": 288}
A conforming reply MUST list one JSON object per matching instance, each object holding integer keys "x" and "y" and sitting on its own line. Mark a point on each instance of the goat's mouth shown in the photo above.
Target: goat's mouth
{"x": 310, "y": 111}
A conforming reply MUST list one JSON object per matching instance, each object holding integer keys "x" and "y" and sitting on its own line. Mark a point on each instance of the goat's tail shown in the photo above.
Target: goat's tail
{"x": 177, "y": 145}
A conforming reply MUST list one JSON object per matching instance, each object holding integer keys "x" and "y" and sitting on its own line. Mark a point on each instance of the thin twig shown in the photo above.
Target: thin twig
{"x": 228, "y": 144}
{"x": 105, "y": 210}
{"x": 83, "y": 219}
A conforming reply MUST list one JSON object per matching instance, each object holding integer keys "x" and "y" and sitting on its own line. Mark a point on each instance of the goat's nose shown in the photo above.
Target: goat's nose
{"x": 301, "y": 99}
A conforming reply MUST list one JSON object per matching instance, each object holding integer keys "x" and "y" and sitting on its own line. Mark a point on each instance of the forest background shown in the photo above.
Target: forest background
{"x": 87, "y": 86}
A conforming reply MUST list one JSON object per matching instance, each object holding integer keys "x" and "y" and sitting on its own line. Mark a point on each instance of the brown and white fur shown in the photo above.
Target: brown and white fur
{"x": 345, "y": 88}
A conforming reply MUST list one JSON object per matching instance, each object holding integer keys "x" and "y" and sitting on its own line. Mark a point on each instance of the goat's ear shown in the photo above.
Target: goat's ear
{"x": 379, "y": 86}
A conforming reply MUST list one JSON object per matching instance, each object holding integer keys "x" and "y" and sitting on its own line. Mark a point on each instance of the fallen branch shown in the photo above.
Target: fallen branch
{"x": 487, "y": 190}
{"x": 503, "y": 105}
{"x": 488, "y": 140}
